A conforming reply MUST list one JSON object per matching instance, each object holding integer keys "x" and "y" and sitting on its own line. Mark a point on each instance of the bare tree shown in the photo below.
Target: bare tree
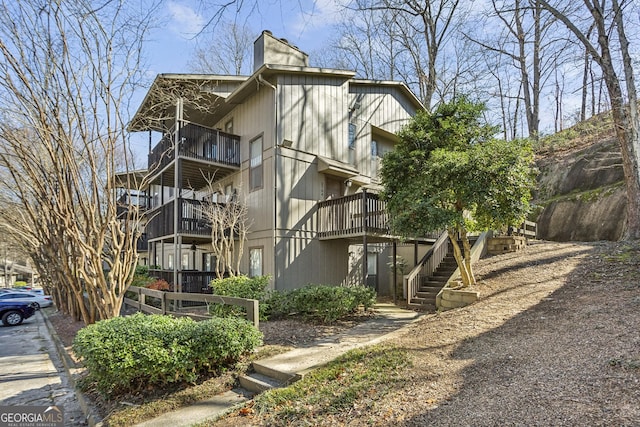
{"x": 528, "y": 42}
{"x": 228, "y": 51}
{"x": 611, "y": 53}
{"x": 409, "y": 34}
{"x": 230, "y": 223}
{"x": 67, "y": 71}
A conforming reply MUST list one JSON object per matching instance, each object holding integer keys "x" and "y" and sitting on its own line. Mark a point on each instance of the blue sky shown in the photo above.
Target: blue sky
{"x": 305, "y": 23}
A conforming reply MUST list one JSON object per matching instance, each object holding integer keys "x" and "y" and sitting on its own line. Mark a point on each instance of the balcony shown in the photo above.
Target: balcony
{"x": 132, "y": 200}
{"x": 352, "y": 216}
{"x": 202, "y": 150}
{"x": 191, "y": 220}
{"x": 358, "y": 215}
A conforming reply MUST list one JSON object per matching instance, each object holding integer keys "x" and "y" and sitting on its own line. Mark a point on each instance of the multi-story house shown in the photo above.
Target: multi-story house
{"x": 300, "y": 146}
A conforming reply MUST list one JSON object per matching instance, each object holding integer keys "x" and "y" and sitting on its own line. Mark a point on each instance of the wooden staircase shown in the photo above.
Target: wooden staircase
{"x": 430, "y": 285}
{"x": 432, "y": 273}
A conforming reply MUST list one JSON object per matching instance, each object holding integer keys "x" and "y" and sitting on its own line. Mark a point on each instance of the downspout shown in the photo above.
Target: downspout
{"x": 275, "y": 170}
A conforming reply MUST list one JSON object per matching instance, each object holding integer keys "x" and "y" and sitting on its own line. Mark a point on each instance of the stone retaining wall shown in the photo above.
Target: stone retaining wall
{"x": 504, "y": 244}
{"x": 455, "y": 298}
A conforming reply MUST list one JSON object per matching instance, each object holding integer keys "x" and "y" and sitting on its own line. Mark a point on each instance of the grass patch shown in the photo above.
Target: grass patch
{"x": 579, "y": 195}
{"x": 593, "y": 129}
{"x": 135, "y": 409}
{"x": 358, "y": 379}
{"x": 632, "y": 364}
{"x": 131, "y": 409}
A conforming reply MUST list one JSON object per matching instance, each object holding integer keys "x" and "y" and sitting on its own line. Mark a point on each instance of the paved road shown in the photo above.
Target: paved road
{"x": 31, "y": 372}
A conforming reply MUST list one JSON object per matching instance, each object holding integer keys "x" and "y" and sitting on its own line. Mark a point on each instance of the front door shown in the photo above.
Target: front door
{"x": 372, "y": 270}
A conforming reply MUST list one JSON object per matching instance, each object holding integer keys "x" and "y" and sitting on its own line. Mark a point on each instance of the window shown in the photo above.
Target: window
{"x": 170, "y": 264}
{"x": 255, "y": 163}
{"x": 352, "y": 136}
{"x": 255, "y": 262}
{"x": 208, "y": 262}
{"x": 372, "y": 263}
{"x": 185, "y": 261}
{"x": 228, "y": 193}
{"x": 374, "y": 159}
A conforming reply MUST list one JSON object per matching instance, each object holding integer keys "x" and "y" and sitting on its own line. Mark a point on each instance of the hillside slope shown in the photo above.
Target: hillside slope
{"x": 581, "y": 184}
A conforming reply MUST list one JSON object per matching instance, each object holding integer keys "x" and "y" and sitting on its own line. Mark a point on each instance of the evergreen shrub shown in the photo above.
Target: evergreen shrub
{"x": 125, "y": 354}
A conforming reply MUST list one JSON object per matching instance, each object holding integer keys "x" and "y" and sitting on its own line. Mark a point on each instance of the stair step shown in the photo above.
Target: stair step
{"x": 285, "y": 378}
{"x": 422, "y": 307}
{"x": 257, "y": 383}
{"x": 422, "y": 303}
{"x": 435, "y": 289}
{"x": 433, "y": 283}
{"x": 426, "y": 295}
{"x": 431, "y": 291}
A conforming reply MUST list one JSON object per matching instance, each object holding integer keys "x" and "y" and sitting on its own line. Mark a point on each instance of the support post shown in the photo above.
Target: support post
{"x": 394, "y": 254}
{"x": 365, "y": 249}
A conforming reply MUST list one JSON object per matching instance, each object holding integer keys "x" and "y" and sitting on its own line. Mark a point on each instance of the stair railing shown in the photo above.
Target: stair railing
{"x": 426, "y": 266}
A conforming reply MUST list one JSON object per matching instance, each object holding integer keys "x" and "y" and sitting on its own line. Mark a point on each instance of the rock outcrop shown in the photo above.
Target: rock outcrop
{"x": 582, "y": 194}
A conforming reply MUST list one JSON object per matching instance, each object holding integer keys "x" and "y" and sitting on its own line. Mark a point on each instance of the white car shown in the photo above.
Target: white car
{"x": 40, "y": 300}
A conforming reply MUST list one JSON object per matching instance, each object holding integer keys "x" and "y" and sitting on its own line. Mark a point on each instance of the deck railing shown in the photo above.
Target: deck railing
{"x": 138, "y": 298}
{"x": 351, "y": 215}
{"x": 191, "y": 219}
{"x": 197, "y": 142}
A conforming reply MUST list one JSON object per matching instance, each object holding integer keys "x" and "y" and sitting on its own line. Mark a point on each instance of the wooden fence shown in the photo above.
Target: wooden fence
{"x": 169, "y": 300}
{"x": 527, "y": 229}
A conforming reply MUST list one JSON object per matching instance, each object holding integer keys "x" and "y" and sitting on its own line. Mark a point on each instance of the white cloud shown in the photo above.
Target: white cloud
{"x": 317, "y": 14}
{"x": 183, "y": 19}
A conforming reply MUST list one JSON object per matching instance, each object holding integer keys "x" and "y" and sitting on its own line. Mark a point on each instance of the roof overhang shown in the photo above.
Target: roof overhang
{"x": 403, "y": 88}
{"x": 266, "y": 71}
{"x": 208, "y": 98}
{"x": 336, "y": 168}
{"x": 203, "y": 96}
{"x": 130, "y": 179}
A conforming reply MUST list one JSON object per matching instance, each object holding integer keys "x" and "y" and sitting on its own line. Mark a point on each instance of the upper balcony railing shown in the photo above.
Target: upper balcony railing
{"x": 191, "y": 219}
{"x": 352, "y": 215}
{"x": 198, "y": 143}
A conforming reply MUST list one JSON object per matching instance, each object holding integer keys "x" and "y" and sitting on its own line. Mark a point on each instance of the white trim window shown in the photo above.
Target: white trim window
{"x": 255, "y": 163}
{"x": 255, "y": 262}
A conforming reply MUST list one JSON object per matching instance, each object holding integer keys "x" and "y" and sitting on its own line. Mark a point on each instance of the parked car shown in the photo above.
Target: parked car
{"x": 39, "y": 300}
{"x": 13, "y": 312}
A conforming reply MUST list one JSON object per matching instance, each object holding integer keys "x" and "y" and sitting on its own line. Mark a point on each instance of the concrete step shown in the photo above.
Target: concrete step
{"x": 282, "y": 377}
{"x": 257, "y": 383}
{"x": 422, "y": 304}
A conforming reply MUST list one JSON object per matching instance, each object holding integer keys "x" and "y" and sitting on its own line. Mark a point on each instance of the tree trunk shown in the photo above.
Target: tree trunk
{"x": 467, "y": 256}
{"x": 457, "y": 254}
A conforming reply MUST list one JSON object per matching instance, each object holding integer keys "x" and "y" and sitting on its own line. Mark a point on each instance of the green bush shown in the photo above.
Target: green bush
{"x": 124, "y": 354}
{"x": 320, "y": 302}
{"x": 239, "y": 287}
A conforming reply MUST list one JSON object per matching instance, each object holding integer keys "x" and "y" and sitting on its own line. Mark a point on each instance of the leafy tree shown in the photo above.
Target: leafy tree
{"x": 449, "y": 172}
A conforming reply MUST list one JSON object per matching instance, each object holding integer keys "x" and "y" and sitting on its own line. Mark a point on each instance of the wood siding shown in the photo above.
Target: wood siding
{"x": 313, "y": 114}
{"x": 381, "y": 107}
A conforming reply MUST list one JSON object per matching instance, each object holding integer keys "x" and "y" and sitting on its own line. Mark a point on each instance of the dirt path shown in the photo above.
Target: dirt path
{"x": 554, "y": 341}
